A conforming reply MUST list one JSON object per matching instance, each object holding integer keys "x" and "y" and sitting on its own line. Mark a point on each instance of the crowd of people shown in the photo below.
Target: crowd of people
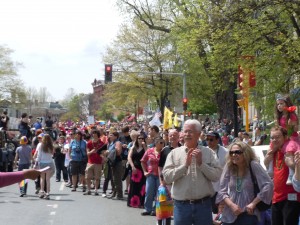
{"x": 187, "y": 175}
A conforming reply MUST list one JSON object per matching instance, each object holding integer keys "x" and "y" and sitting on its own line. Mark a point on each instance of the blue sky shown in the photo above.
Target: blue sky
{"x": 59, "y": 42}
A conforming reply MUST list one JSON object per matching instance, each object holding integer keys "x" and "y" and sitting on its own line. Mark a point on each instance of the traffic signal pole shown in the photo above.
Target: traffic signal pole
{"x": 184, "y": 92}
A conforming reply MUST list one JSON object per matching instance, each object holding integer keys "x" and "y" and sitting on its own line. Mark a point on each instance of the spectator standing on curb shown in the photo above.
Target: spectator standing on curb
{"x": 94, "y": 166}
{"x": 188, "y": 168}
{"x": 286, "y": 201}
{"x": 213, "y": 139}
{"x": 150, "y": 167}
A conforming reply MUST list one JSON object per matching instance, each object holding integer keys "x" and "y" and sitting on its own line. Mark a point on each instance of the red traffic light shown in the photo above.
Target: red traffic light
{"x": 108, "y": 73}
{"x": 184, "y": 104}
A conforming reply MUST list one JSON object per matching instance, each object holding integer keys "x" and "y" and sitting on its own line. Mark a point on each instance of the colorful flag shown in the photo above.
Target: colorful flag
{"x": 167, "y": 118}
{"x": 175, "y": 122}
{"x": 155, "y": 121}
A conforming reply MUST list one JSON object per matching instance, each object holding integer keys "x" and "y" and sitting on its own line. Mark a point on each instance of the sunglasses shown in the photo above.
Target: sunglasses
{"x": 210, "y": 139}
{"x": 237, "y": 152}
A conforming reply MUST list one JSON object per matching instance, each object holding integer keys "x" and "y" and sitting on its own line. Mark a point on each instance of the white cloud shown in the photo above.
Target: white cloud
{"x": 58, "y": 41}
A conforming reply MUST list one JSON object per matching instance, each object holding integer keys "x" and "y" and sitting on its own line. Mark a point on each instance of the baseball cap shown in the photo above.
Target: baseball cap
{"x": 23, "y": 140}
{"x": 213, "y": 134}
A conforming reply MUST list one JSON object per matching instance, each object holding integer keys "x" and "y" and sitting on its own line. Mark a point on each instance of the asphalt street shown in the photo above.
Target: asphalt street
{"x": 65, "y": 208}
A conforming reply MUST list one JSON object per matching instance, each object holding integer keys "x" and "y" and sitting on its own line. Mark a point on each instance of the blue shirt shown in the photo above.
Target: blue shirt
{"x": 37, "y": 125}
{"x": 77, "y": 150}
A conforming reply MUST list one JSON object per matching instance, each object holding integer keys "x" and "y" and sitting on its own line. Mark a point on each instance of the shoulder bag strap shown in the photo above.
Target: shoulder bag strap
{"x": 254, "y": 181}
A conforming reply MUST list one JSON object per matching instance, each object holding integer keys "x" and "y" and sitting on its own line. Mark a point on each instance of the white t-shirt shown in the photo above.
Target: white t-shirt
{"x": 43, "y": 157}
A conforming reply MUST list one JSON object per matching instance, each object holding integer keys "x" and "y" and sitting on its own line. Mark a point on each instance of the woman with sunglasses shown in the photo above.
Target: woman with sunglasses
{"x": 236, "y": 186}
{"x": 136, "y": 195}
{"x": 150, "y": 167}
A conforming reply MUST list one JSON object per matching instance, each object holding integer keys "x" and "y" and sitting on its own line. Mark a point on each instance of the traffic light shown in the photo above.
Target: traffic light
{"x": 184, "y": 103}
{"x": 240, "y": 77}
{"x": 243, "y": 81}
{"x": 108, "y": 73}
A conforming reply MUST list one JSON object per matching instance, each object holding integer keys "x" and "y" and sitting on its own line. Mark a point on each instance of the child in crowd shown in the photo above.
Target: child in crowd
{"x": 164, "y": 206}
{"x": 217, "y": 219}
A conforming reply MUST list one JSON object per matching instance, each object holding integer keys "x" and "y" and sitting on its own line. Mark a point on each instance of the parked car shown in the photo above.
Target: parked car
{"x": 261, "y": 151}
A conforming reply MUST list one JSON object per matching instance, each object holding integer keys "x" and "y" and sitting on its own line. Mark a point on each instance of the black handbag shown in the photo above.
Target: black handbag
{"x": 261, "y": 206}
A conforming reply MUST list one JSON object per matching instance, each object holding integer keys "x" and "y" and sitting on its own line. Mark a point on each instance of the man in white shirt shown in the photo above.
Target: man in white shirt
{"x": 192, "y": 169}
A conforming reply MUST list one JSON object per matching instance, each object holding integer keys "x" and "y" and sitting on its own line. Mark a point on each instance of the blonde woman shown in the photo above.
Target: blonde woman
{"x": 236, "y": 186}
{"x": 44, "y": 159}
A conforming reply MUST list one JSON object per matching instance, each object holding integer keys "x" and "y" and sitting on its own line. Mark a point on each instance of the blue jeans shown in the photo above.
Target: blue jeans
{"x": 244, "y": 219}
{"x": 196, "y": 214}
{"x": 152, "y": 184}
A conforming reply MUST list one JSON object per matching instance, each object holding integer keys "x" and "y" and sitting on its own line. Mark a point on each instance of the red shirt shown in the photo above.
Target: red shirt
{"x": 281, "y": 172}
{"x": 94, "y": 158}
{"x": 225, "y": 140}
{"x": 150, "y": 161}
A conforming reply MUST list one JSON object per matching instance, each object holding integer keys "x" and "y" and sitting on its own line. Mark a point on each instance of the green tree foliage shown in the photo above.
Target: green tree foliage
{"x": 141, "y": 50}
{"x": 76, "y": 108}
{"x": 11, "y": 87}
{"x": 213, "y": 36}
{"x": 105, "y": 112}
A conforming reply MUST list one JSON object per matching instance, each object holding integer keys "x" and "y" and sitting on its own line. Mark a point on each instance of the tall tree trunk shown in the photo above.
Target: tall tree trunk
{"x": 225, "y": 101}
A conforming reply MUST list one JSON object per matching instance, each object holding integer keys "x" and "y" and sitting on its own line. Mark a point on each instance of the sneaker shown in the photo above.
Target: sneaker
{"x": 126, "y": 192}
{"x": 42, "y": 195}
{"x": 47, "y": 196}
{"x": 74, "y": 189}
{"x": 153, "y": 213}
{"x": 112, "y": 196}
{"x": 37, "y": 191}
{"x": 57, "y": 180}
{"x": 22, "y": 195}
{"x": 96, "y": 193}
{"x": 117, "y": 198}
{"x": 87, "y": 193}
{"x": 84, "y": 189}
{"x": 145, "y": 213}
{"x": 103, "y": 195}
